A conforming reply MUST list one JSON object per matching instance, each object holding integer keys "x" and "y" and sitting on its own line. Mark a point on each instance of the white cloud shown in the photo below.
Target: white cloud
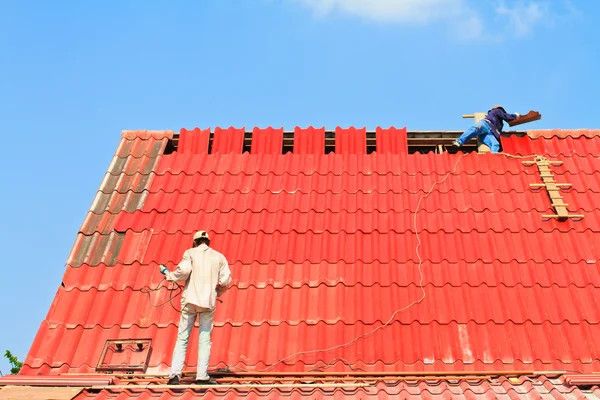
{"x": 523, "y": 17}
{"x": 492, "y": 20}
{"x": 405, "y": 11}
{"x": 469, "y": 27}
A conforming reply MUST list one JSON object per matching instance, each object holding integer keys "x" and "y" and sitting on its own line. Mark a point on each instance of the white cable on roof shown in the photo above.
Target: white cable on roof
{"x": 356, "y": 339}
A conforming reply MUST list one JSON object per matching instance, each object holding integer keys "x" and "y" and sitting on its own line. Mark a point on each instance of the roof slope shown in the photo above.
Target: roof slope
{"x": 323, "y": 250}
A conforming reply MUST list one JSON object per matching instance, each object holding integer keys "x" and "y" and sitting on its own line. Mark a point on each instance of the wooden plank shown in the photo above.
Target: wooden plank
{"x": 352, "y": 379}
{"x": 431, "y": 140}
{"x": 577, "y": 216}
{"x": 552, "y": 187}
{"x": 523, "y": 119}
{"x": 39, "y": 393}
{"x": 478, "y": 116}
{"x": 384, "y": 374}
{"x": 547, "y": 162}
{"x": 234, "y": 386}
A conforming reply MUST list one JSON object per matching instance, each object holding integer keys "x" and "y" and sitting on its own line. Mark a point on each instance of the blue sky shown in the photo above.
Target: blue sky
{"x": 73, "y": 74}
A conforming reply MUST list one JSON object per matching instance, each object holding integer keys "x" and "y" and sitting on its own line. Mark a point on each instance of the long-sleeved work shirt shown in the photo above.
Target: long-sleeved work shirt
{"x": 495, "y": 119}
{"x": 205, "y": 272}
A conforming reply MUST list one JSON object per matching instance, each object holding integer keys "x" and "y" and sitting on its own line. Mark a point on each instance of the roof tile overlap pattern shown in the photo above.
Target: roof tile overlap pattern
{"x": 323, "y": 249}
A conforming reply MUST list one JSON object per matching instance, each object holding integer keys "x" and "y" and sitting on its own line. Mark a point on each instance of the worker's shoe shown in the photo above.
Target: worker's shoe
{"x": 456, "y": 143}
{"x": 206, "y": 382}
{"x": 173, "y": 381}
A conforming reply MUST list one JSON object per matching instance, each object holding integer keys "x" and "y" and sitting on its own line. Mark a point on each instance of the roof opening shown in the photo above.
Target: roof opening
{"x": 371, "y": 142}
{"x": 247, "y": 142}
{"x": 211, "y": 138}
{"x": 329, "y": 142}
{"x": 437, "y": 142}
{"x": 171, "y": 146}
{"x": 422, "y": 142}
{"x": 288, "y": 143}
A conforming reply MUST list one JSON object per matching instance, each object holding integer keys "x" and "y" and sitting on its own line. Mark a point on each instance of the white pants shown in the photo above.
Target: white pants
{"x": 186, "y": 323}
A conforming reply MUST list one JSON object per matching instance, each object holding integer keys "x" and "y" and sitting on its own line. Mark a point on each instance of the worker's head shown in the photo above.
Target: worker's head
{"x": 201, "y": 237}
{"x": 498, "y": 106}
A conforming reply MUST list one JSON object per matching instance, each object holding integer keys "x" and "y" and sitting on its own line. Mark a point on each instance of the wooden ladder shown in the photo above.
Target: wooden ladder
{"x": 552, "y": 187}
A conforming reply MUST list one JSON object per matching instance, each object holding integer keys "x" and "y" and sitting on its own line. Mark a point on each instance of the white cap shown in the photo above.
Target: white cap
{"x": 201, "y": 235}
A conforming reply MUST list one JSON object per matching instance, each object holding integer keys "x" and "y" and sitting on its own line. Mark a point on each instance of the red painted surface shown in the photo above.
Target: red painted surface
{"x": 528, "y": 274}
{"x": 323, "y": 250}
{"x": 392, "y": 140}
{"x": 267, "y": 141}
{"x": 309, "y": 141}
{"x": 350, "y": 140}
{"x": 564, "y": 133}
{"x": 552, "y": 146}
{"x": 230, "y": 140}
{"x": 338, "y": 303}
{"x": 194, "y": 141}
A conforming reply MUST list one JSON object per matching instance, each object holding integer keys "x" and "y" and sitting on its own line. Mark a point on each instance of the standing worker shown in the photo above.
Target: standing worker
{"x": 488, "y": 129}
{"x": 207, "y": 276}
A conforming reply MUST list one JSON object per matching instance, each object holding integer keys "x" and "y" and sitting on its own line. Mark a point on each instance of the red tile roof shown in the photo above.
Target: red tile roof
{"x": 323, "y": 253}
{"x": 501, "y": 388}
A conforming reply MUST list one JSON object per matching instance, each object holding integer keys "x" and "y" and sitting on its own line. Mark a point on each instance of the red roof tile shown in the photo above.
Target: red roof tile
{"x": 564, "y": 133}
{"x": 350, "y": 141}
{"x": 230, "y": 140}
{"x": 323, "y": 254}
{"x": 194, "y": 141}
{"x": 309, "y": 141}
{"x": 337, "y": 303}
{"x": 391, "y": 140}
{"x": 501, "y": 388}
{"x": 433, "y": 347}
{"x": 547, "y": 274}
{"x": 267, "y": 141}
{"x": 552, "y": 146}
{"x": 146, "y": 134}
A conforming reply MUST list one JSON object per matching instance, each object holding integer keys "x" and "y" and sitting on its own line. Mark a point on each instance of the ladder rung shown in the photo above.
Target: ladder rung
{"x": 550, "y": 184}
{"x": 543, "y": 162}
{"x": 578, "y": 216}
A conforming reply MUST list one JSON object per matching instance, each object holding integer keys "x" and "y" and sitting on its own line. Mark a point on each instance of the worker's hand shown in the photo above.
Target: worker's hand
{"x": 518, "y": 115}
{"x": 163, "y": 269}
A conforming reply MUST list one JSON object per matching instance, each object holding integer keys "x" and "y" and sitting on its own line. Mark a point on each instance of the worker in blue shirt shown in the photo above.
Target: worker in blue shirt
{"x": 488, "y": 129}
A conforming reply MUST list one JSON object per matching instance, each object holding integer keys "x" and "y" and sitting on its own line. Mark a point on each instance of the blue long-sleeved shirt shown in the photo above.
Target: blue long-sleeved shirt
{"x": 495, "y": 118}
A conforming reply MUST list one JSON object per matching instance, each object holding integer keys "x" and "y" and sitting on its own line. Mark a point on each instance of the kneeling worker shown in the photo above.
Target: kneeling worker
{"x": 488, "y": 129}
{"x": 206, "y": 274}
